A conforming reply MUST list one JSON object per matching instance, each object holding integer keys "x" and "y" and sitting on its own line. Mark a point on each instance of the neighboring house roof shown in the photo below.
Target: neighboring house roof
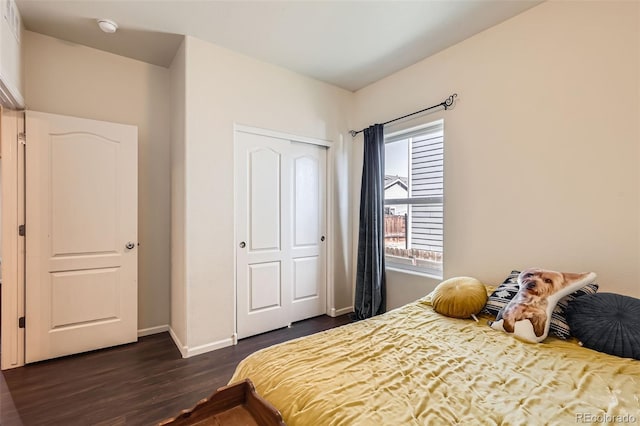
{"x": 390, "y": 180}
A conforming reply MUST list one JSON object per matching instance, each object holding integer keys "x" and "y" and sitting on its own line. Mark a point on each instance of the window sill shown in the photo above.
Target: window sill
{"x": 413, "y": 272}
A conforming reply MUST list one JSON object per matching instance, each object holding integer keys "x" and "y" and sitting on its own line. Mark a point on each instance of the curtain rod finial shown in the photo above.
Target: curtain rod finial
{"x": 450, "y": 100}
{"x": 353, "y": 133}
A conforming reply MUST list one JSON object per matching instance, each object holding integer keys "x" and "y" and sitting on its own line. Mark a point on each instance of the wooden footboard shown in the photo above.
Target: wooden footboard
{"x": 235, "y": 404}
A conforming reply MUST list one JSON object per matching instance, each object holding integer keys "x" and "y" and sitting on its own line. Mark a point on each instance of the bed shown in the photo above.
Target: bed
{"x": 413, "y": 366}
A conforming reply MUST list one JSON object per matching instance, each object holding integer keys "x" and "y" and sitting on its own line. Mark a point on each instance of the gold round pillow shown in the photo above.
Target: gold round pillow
{"x": 459, "y": 297}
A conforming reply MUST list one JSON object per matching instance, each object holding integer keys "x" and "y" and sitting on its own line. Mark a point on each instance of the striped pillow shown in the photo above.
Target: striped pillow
{"x": 508, "y": 289}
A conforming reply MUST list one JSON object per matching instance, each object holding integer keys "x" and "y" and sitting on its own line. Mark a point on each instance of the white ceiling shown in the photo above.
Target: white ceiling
{"x": 347, "y": 43}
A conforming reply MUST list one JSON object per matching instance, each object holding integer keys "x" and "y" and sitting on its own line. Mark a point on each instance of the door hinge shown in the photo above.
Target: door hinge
{"x": 21, "y": 322}
{"x": 22, "y": 230}
{"x": 22, "y": 138}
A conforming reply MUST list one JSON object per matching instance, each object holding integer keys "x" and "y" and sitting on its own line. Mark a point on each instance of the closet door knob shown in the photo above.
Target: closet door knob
{"x": 243, "y": 244}
{"x": 130, "y": 245}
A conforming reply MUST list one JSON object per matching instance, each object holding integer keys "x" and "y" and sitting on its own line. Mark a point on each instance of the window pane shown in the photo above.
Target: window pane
{"x": 413, "y": 238}
{"x": 425, "y": 235}
{"x": 426, "y": 227}
{"x": 426, "y": 166}
{"x": 395, "y": 228}
{"x": 396, "y": 169}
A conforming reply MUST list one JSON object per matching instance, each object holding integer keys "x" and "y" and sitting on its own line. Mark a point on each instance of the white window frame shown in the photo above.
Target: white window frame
{"x": 403, "y": 264}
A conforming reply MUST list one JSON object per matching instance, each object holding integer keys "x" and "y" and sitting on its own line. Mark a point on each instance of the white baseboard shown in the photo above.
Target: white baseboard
{"x": 182, "y": 348}
{"x": 188, "y": 352}
{"x": 208, "y": 347}
{"x": 337, "y": 312}
{"x": 153, "y": 330}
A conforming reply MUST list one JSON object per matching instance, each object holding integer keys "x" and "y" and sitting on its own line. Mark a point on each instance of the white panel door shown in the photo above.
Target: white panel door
{"x": 307, "y": 225}
{"x": 280, "y": 218}
{"x": 81, "y": 235}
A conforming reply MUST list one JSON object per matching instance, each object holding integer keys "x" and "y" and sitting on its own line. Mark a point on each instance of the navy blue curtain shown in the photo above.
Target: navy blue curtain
{"x": 371, "y": 295}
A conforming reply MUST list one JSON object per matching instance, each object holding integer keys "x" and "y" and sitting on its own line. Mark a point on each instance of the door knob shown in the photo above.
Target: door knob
{"x": 130, "y": 245}
{"x": 242, "y": 244}
{"x": 322, "y": 239}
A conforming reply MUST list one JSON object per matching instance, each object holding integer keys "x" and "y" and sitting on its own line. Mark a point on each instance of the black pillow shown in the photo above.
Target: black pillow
{"x": 607, "y": 322}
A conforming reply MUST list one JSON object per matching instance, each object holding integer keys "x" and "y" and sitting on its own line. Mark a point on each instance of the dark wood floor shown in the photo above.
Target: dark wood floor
{"x": 136, "y": 384}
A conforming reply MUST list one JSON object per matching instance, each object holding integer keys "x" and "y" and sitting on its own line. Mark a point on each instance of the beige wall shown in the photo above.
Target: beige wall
{"x": 178, "y": 204}
{"x": 223, "y": 88}
{"x": 65, "y": 78}
{"x": 541, "y": 150}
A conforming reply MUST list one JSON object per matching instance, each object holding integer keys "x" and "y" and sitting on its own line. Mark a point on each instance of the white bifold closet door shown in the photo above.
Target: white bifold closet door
{"x": 280, "y": 235}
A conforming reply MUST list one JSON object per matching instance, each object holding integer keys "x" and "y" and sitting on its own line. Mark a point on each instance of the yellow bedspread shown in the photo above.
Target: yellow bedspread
{"x": 413, "y": 366}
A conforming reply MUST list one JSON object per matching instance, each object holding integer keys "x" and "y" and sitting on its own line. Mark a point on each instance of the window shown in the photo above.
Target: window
{"x": 413, "y": 198}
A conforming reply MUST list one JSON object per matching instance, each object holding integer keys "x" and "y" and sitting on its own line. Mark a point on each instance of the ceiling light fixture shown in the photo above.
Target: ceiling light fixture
{"x": 107, "y": 25}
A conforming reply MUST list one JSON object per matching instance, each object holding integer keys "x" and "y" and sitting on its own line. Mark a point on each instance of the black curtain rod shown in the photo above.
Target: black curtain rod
{"x": 446, "y": 104}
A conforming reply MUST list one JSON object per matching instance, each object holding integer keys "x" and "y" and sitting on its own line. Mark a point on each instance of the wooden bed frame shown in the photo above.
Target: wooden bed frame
{"x": 235, "y": 404}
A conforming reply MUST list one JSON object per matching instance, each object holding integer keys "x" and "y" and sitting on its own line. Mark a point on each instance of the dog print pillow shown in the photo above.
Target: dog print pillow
{"x": 528, "y": 314}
